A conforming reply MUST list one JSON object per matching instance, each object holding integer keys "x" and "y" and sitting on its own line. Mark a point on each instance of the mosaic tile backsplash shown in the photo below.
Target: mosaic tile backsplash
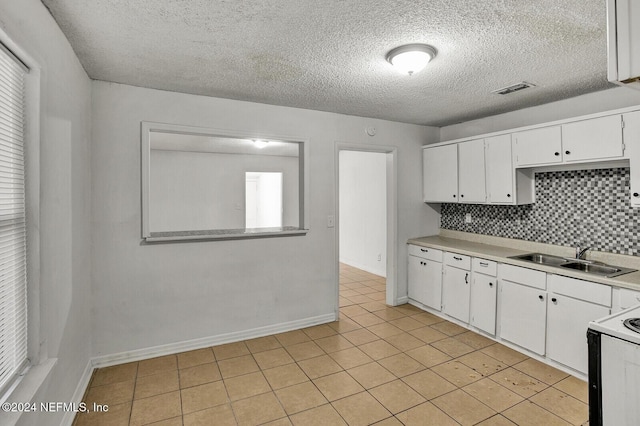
{"x": 572, "y": 208}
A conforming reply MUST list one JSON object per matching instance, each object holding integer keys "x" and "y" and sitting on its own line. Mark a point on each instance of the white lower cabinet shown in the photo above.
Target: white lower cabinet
{"x": 523, "y": 316}
{"x": 425, "y": 276}
{"x": 545, "y": 314}
{"x": 572, "y": 305}
{"x": 455, "y": 287}
{"x": 483, "y": 300}
{"x": 567, "y": 323}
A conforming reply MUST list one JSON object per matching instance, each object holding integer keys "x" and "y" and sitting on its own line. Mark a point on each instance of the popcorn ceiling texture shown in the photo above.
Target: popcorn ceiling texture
{"x": 575, "y": 208}
{"x": 330, "y": 55}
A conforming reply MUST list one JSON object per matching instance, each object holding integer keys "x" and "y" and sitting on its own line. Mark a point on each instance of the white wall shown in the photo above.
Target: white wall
{"x": 197, "y": 190}
{"x": 149, "y": 295}
{"x": 591, "y": 103}
{"x": 363, "y": 210}
{"x": 65, "y": 211}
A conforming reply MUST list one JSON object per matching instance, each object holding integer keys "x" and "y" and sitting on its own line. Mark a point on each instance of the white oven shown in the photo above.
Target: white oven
{"x": 614, "y": 369}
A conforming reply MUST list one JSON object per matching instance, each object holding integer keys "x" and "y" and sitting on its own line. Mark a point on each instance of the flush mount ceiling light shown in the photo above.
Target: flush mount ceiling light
{"x": 411, "y": 58}
{"x": 260, "y": 143}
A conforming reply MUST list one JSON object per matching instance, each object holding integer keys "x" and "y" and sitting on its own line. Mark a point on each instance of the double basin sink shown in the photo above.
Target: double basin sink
{"x": 587, "y": 266}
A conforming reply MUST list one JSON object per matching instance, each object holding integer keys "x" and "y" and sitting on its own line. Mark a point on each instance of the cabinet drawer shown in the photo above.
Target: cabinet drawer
{"x": 628, "y": 298}
{"x": 582, "y": 290}
{"x": 425, "y": 253}
{"x": 487, "y": 267}
{"x": 528, "y": 277}
{"x": 458, "y": 260}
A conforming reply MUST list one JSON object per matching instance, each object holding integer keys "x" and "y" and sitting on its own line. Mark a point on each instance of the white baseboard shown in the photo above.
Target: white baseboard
{"x": 83, "y": 384}
{"x": 367, "y": 268}
{"x": 188, "y": 345}
{"x": 402, "y": 300}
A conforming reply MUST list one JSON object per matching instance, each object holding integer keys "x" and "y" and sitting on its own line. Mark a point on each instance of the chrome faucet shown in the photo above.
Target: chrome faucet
{"x": 580, "y": 253}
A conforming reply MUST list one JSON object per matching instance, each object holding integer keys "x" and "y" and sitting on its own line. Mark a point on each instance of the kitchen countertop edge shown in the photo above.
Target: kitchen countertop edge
{"x": 501, "y": 254}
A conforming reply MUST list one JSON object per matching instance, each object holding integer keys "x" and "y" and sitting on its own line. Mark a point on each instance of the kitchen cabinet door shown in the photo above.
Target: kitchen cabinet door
{"x": 523, "y": 313}
{"x": 499, "y": 170}
{"x": 567, "y": 323}
{"x": 594, "y": 139}
{"x": 471, "y": 172}
{"x": 440, "y": 174}
{"x": 631, "y": 133}
{"x": 425, "y": 282}
{"x": 483, "y": 302}
{"x": 623, "y": 39}
{"x": 537, "y": 146}
{"x": 456, "y": 292}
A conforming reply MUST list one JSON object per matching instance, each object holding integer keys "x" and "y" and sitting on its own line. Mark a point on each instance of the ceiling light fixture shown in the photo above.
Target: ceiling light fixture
{"x": 411, "y": 58}
{"x": 260, "y": 143}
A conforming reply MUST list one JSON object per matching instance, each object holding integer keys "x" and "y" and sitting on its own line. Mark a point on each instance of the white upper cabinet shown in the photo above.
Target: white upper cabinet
{"x": 595, "y": 139}
{"x": 499, "y": 170}
{"x": 537, "y": 146}
{"x": 471, "y": 172}
{"x": 632, "y": 141}
{"x": 623, "y": 31}
{"x": 440, "y": 174}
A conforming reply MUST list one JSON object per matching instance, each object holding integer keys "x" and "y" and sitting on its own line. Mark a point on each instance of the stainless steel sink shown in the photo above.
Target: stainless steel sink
{"x": 598, "y": 269}
{"x": 586, "y": 266}
{"x": 542, "y": 259}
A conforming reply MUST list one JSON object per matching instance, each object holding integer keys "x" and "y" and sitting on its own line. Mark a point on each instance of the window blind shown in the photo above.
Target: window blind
{"x": 13, "y": 247}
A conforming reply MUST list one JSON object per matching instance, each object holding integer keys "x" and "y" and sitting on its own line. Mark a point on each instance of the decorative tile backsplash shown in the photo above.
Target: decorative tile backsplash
{"x": 572, "y": 208}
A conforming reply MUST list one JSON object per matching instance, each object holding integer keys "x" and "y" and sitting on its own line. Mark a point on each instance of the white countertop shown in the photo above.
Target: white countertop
{"x": 500, "y": 249}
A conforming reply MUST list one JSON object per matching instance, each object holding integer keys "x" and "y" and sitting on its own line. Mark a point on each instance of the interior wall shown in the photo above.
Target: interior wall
{"x": 65, "y": 202}
{"x": 363, "y": 210}
{"x": 195, "y": 190}
{"x": 150, "y": 295}
{"x": 591, "y": 103}
{"x": 414, "y": 217}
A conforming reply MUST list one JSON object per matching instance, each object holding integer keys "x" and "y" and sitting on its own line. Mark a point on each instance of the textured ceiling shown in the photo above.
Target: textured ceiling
{"x": 330, "y": 55}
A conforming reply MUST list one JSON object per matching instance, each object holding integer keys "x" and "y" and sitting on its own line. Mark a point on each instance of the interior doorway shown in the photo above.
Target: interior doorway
{"x": 263, "y": 200}
{"x": 367, "y": 175}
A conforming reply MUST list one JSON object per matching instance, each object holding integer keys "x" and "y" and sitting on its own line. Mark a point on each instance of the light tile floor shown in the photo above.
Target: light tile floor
{"x": 377, "y": 365}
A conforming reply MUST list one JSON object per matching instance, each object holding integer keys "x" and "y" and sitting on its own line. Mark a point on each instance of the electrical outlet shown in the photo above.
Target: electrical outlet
{"x": 467, "y": 218}
{"x": 379, "y": 257}
{"x": 331, "y": 221}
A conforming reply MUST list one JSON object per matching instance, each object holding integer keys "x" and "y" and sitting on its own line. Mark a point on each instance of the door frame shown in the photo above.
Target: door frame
{"x": 392, "y": 216}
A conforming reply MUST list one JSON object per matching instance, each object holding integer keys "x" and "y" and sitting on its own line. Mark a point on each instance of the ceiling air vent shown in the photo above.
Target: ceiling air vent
{"x": 514, "y": 88}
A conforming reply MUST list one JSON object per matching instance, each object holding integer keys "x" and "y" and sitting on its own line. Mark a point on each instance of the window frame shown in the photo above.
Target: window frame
{"x": 38, "y": 366}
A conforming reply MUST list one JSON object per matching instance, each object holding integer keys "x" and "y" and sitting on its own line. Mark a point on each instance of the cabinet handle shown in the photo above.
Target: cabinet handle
{"x": 541, "y": 297}
{"x": 466, "y": 278}
{"x": 490, "y": 284}
{"x": 485, "y": 264}
{"x": 457, "y": 258}
{"x": 567, "y": 152}
{"x": 635, "y": 194}
{"x": 508, "y": 195}
{"x": 424, "y": 250}
{"x": 554, "y": 300}
{"x": 454, "y": 195}
{"x": 556, "y": 154}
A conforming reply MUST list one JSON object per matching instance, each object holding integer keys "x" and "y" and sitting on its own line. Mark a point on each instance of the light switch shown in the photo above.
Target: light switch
{"x": 467, "y": 218}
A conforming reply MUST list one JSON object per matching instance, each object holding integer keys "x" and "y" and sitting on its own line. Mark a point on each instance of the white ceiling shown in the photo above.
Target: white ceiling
{"x": 330, "y": 55}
